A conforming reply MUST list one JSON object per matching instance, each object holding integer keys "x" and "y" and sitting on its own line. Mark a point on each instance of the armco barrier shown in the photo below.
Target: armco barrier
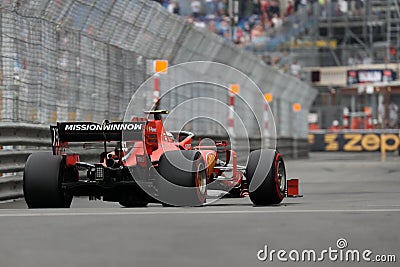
{"x": 24, "y": 134}
{"x": 19, "y": 140}
{"x": 355, "y": 140}
{"x": 10, "y": 187}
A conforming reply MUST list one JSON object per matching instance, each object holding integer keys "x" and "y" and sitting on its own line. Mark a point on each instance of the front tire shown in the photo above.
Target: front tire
{"x": 182, "y": 179}
{"x": 43, "y": 175}
{"x": 267, "y": 169}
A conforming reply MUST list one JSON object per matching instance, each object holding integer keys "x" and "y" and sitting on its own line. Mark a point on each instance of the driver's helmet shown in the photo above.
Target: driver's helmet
{"x": 170, "y": 135}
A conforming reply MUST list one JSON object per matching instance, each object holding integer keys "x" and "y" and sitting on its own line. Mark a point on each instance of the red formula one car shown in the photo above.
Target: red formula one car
{"x": 142, "y": 163}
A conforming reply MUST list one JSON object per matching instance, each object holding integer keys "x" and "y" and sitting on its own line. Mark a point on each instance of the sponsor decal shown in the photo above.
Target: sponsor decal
{"x": 370, "y": 76}
{"x": 354, "y": 142}
{"x": 151, "y": 129}
{"x": 103, "y": 128}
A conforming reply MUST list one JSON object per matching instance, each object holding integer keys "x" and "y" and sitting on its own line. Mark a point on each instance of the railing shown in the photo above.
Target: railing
{"x": 17, "y": 142}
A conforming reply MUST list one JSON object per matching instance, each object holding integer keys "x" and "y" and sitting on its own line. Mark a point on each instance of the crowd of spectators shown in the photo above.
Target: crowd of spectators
{"x": 257, "y": 16}
{"x": 258, "y": 21}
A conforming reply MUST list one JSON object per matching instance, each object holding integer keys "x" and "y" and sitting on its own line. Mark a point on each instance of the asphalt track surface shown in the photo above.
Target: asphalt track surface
{"x": 350, "y": 196}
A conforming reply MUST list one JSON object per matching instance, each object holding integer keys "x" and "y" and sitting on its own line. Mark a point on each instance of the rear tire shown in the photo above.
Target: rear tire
{"x": 42, "y": 180}
{"x": 272, "y": 189}
{"x": 183, "y": 179}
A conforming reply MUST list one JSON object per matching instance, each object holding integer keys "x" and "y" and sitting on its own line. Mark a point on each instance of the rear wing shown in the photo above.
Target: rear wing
{"x": 92, "y": 132}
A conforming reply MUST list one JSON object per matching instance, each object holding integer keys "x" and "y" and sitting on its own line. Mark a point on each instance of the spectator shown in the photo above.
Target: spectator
{"x": 289, "y": 9}
{"x": 171, "y": 6}
{"x": 359, "y": 7}
{"x": 199, "y": 23}
{"x": 393, "y": 115}
{"x": 247, "y": 27}
{"x": 177, "y": 9}
{"x": 323, "y": 4}
{"x": 212, "y": 26}
{"x": 256, "y": 7}
{"x": 222, "y": 7}
{"x": 210, "y": 7}
{"x": 335, "y": 126}
{"x": 189, "y": 19}
{"x": 295, "y": 69}
{"x": 252, "y": 21}
{"x": 258, "y": 36}
{"x": 276, "y": 61}
{"x": 285, "y": 59}
{"x": 224, "y": 29}
{"x": 285, "y": 69}
{"x": 165, "y": 3}
{"x": 367, "y": 60}
{"x": 276, "y": 20}
{"x": 343, "y": 6}
{"x": 273, "y": 9}
{"x": 264, "y": 6}
{"x": 242, "y": 38}
{"x": 296, "y": 5}
{"x": 382, "y": 114}
{"x": 351, "y": 61}
{"x": 267, "y": 59}
{"x": 196, "y": 8}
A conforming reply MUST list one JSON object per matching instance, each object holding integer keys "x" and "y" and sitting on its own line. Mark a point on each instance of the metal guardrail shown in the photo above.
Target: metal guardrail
{"x": 19, "y": 140}
{"x": 24, "y": 134}
{"x": 10, "y": 187}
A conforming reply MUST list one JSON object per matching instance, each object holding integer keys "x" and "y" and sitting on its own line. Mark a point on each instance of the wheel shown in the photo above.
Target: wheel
{"x": 266, "y": 169}
{"x": 183, "y": 179}
{"x": 42, "y": 180}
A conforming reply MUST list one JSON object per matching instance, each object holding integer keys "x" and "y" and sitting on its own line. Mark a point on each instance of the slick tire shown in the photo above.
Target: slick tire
{"x": 43, "y": 175}
{"x": 267, "y": 169}
{"x": 182, "y": 179}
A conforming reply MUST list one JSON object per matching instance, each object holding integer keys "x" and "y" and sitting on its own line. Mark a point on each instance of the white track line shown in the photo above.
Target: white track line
{"x": 185, "y": 212}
